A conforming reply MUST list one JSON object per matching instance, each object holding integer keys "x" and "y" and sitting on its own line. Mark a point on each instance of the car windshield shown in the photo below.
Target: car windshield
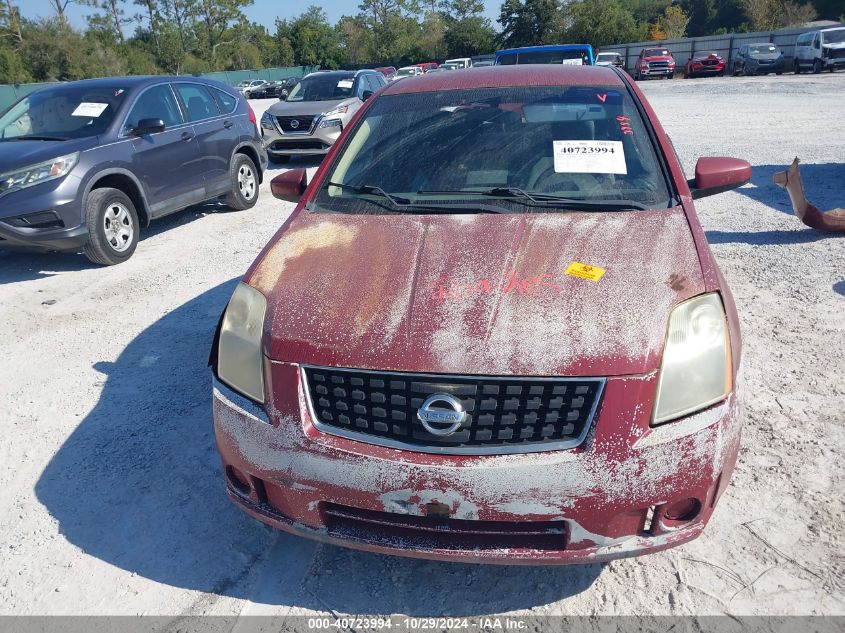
{"x": 762, "y": 49}
{"x": 512, "y": 147}
{"x": 63, "y": 112}
{"x": 404, "y": 72}
{"x": 654, "y": 52}
{"x": 322, "y": 88}
{"x": 576, "y": 57}
{"x": 834, "y": 37}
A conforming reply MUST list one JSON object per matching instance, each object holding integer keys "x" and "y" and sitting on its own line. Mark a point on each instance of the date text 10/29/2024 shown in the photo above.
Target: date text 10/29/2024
{"x": 408, "y": 623}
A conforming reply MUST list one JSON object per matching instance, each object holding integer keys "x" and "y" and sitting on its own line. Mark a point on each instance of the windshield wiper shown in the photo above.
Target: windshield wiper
{"x": 399, "y": 201}
{"x": 34, "y": 138}
{"x": 405, "y": 203}
{"x": 545, "y": 199}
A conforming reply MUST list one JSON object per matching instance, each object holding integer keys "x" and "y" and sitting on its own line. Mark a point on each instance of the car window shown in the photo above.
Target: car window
{"x": 544, "y": 140}
{"x": 225, "y": 101}
{"x": 322, "y": 87}
{"x": 156, "y": 102}
{"x": 198, "y": 103}
{"x": 372, "y": 83}
{"x": 64, "y": 111}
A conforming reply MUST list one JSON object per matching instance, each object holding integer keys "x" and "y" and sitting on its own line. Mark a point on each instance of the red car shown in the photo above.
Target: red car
{"x": 654, "y": 62}
{"x": 426, "y": 66}
{"x": 708, "y": 63}
{"x": 492, "y": 330}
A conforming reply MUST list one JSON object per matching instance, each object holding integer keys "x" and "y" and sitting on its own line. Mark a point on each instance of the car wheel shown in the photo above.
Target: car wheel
{"x": 244, "y": 176}
{"x": 112, "y": 227}
{"x": 817, "y": 66}
{"x": 796, "y": 67}
{"x": 779, "y": 72}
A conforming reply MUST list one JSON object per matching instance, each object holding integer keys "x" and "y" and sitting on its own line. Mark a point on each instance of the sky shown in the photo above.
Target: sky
{"x": 262, "y": 11}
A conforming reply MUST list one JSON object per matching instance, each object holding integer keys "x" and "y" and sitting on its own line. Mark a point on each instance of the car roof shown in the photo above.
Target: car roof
{"x": 335, "y": 73}
{"x": 138, "y": 81}
{"x": 510, "y": 76}
{"x": 545, "y": 47}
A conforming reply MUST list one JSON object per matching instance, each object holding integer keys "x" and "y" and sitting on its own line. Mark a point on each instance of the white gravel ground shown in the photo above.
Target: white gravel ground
{"x": 111, "y": 497}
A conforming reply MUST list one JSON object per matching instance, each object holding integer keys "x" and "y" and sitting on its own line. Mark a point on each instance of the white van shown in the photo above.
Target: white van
{"x": 816, "y": 50}
{"x": 460, "y": 62}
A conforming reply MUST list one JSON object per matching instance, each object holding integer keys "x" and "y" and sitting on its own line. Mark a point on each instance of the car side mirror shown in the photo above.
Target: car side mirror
{"x": 717, "y": 174}
{"x": 290, "y": 185}
{"x": 148, "y": 126}
{"x": 366, "y": 95}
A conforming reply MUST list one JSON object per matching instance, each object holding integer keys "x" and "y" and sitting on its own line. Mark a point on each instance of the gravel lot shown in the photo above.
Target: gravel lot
{"x": 111, "y": 496}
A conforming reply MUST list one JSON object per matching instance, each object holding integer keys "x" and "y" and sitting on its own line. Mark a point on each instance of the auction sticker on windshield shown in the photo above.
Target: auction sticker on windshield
{"x": 89, "y": 109}
{"x": 589, "y": 157}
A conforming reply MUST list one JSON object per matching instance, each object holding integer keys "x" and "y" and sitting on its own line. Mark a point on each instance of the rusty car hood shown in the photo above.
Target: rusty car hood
{"x": 477, "y": 294}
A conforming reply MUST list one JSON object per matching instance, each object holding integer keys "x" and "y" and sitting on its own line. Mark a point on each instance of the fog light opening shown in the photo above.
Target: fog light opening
{"x": 238, "y": 480}
{"x": 682, "y": 511}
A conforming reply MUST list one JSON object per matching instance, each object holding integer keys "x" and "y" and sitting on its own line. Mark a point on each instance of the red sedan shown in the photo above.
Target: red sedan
{"x": 704, "y": 64}
{"x": 492, "y": 330}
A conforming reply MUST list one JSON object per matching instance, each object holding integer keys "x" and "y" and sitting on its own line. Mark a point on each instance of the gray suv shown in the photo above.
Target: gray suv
{"x": 85, "y": 165}
{"x": 315, "y": 112}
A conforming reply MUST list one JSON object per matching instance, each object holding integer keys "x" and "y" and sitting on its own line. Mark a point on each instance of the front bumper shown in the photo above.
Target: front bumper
{"x": 707, "y": 70}
{"x": 45, "y": 217}
{"x": 609, "y": 498}
{"x": 657, "y": 72}
{"x": 760, "y": 68}
{"x": 316, "y": 141}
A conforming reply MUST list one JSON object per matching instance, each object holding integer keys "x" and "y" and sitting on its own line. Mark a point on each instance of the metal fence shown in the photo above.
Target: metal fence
{"x": 725, "y": 45}
{"x": 12, "y": 92}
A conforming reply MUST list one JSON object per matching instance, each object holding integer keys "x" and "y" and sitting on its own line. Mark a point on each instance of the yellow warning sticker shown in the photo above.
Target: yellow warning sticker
{"x": 585, "y": 271}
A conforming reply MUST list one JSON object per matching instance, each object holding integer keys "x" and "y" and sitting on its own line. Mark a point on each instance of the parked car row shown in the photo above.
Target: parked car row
{"x": 815, "y": 51}
{"x": 86, "y": 165}
{"x": 262, "y": 89}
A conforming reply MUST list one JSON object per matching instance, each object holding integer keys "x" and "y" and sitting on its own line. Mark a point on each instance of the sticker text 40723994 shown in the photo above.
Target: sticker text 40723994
{"x": 589, "y": 157}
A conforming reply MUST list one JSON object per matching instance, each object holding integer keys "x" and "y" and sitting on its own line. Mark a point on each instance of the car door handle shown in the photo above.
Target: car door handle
{"x": 227, "y": 124}
{"x": 187, "y": 136}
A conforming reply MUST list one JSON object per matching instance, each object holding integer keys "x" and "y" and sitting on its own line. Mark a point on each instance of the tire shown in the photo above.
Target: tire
{"x": 817, "y": 66}
{"x": 113, "y": 227}
{"x": 244, "y": 178}
{"x": 796, "y": 66}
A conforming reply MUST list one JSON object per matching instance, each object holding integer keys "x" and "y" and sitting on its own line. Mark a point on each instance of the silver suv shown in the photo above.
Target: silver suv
{"x": 317, "y": 109}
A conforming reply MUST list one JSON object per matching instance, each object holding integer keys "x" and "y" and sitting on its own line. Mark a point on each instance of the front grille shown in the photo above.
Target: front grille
{"x": 658, "y": 65}
{"x": 504, "y": 414}
{"x": 431, "y": 532}
{"x": 303, "y": 144}
{"x": 710, "y": 62}
{"x": 303, "y": 123}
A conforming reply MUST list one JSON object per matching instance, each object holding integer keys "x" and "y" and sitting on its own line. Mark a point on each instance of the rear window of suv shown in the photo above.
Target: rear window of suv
{"x": 581, "y": 143}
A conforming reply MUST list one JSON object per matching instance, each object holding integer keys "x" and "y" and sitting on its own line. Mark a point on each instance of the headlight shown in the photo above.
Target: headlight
{"x": 696, "y": 368}
{"x": 239, "y": 357}
{"x": 42, "y": 172}
{"x": 338, "y": 110}
{"x": 331, "y": 123}
{"x": 267, "y": 121}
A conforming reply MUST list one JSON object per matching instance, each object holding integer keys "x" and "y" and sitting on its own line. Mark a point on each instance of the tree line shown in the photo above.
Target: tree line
{"x": 196, "y": 36}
